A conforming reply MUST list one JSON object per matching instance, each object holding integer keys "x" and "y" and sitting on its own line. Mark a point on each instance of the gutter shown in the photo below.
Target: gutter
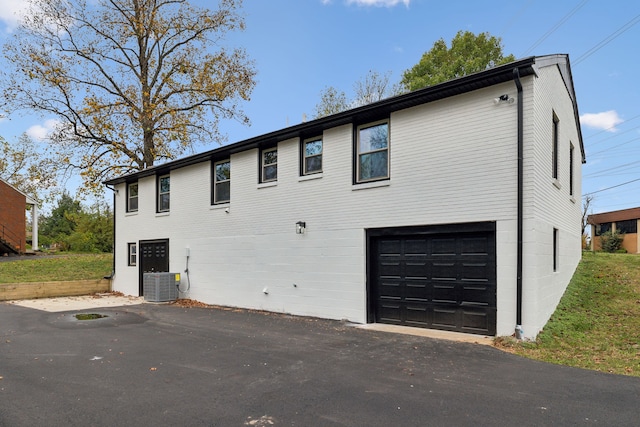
{"x": 113, "y": 267}
{"x": 520, "y": 220}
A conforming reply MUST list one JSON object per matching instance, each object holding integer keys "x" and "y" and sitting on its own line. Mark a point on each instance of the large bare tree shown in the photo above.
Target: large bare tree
{"x": 25, "y": 164}
{"x": 131, "y": 82}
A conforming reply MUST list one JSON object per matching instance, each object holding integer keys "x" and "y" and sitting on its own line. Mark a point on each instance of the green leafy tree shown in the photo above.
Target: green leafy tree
{"x": 72, "y": 227}
{"x": 469, "y": 53}
{"x": 54, "y": 228}
{"x": 131, "y": 82}
{"x": 93, "y": 230}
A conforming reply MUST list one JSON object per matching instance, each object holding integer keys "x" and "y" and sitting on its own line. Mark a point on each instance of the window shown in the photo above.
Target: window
{"x": 269, "y": 165}
{"x": 132, "y": 197}
{"x": 133, "y": 253}
{"x": 372, "y": 148}
{"x": 555, "y": 249}
{"x": 222, "y": 182}
{"x": 571, "y": 150}
{"x": 312, "y": 156}
{"x": 628, "y": 226}
{"x": 556, "y": 122}
{"x": 603, "y": 228}
{"x": 164, "y": 186}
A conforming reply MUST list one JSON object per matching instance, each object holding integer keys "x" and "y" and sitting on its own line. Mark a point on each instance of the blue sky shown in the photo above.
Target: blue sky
{"x": 301, "y": 47}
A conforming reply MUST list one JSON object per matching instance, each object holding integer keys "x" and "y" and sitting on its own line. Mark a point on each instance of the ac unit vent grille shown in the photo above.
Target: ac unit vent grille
{"x": 160, "y": 287}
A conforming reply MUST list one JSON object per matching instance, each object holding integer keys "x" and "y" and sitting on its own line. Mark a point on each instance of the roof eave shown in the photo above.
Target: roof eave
{"x": 490, "y": 77}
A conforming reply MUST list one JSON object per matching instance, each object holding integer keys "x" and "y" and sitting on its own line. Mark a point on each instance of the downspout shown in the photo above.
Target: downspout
{"x": 113, "y": 267}
{"x": 520, "y": 219}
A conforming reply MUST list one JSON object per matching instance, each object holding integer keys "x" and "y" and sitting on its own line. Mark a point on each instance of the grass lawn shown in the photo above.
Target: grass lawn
{"x": 597, "y": 323}
{"x": 57, "y": 268}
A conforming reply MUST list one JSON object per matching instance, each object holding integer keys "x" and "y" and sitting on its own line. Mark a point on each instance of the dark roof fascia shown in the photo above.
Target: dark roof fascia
{"x": 363, "y": 114}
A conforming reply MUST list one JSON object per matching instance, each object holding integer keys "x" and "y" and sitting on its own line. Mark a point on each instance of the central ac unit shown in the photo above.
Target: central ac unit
{"x": 160, "y": 287}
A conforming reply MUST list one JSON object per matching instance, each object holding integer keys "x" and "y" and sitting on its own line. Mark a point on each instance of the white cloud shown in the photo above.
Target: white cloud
{"x": 607, "y": 120}
{"x": 41, "y": 132}
{"x": 11, "y": 11}
{"x": 377, "y": 3}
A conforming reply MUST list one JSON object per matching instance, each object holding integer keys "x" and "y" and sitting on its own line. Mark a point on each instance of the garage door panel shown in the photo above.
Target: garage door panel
{"x": 441, "y": 281}
{"x": 479, "y": 296}
{"x": 418, "y": 269}
{"x": 415, "y": 247}
{"x": 474, "y": 245}
{"x": 390, "y": 312}
{"x": 443, "y": 271}
{"x": 389, "y": 247}
{"x": 390, "y": 268}
{"x": 417, "y": 290}
{"x": 474, "y": 271}
{"x": 417, "y": 315}
{"x": 477, "y": 320}
{"x": 443, "y": 246}
{"x": 444, "y": 318}
{"x": 391, "y": 289}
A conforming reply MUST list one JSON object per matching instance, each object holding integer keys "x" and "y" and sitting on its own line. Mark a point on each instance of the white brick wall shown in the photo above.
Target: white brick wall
{"x": 452, "y": 161}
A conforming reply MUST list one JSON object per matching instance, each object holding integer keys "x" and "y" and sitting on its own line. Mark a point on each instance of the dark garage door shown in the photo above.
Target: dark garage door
{"x": 435, "y": 277}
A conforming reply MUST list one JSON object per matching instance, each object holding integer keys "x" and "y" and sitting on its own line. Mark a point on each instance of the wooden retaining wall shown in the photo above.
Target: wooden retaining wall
{"x": 16, "y": 291}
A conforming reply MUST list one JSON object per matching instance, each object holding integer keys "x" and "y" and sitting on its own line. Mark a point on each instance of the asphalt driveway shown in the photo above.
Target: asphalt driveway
{"x": 157, "y": 365}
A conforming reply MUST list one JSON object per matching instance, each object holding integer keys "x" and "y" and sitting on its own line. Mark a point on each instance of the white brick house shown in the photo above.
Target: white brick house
{"x": 416, "y": 209}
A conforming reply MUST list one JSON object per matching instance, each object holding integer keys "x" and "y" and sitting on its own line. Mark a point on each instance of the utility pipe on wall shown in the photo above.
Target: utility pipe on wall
{"x": 520, "y": 219}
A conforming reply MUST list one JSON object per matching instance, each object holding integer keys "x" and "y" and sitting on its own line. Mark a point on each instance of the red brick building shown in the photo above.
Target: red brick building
{"x": 13, "y": 230}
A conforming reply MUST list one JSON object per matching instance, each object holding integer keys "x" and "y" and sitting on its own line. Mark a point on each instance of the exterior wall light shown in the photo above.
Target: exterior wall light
{"x": 300, "y": 227}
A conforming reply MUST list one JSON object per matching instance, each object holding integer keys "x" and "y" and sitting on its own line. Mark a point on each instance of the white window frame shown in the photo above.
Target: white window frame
{"x": 263, "y": 166}
{"x": 160, "y": 193}
{"x": 132, "y": 251}
{"x": 305, "y": 171}
{"x": 359, "y": 154}
{"x": 216, "y": 182}
{"x": 130, "y": 198}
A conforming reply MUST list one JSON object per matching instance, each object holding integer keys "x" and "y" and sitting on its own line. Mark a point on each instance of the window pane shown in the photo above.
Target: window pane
{"x": 223, "y": 191}
{"x": 373, "y": 165}
{"x": 603, "y": 228}
{"x": 629, "y": 226}
{"x": 223, "y": 171}
{"x": 133, "y": 190}
{"x": 164, "y": 202}
{"x": 374, "y": 138}
{"x": 270, "y": 173}
{"x": 312, "y": 148}
{"x": 164, "y": 184}
{"x": 313, "y": 164}
{"x": 270, "y": 157}
{"x": 133, "y": 204}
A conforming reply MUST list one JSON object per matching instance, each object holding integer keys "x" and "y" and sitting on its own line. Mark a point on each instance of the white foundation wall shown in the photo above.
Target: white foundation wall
{"x": 548, "y": 202}
{"x": 451, "y": 161}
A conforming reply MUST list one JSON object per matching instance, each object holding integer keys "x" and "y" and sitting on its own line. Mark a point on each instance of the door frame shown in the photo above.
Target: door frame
{"x": 373, "y": 234}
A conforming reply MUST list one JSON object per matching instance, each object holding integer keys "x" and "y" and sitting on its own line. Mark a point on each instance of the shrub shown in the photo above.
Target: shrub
{"x": 611, "y": 241}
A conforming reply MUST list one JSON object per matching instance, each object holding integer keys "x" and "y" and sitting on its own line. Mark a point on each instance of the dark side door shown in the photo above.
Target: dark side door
{"x": 154, "y": 258}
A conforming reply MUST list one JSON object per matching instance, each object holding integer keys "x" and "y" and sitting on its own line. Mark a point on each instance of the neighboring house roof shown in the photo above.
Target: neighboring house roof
{"x": 30, "y": 201}
{"x": 621, "y": 215}
{"x": 380, "y": 109}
